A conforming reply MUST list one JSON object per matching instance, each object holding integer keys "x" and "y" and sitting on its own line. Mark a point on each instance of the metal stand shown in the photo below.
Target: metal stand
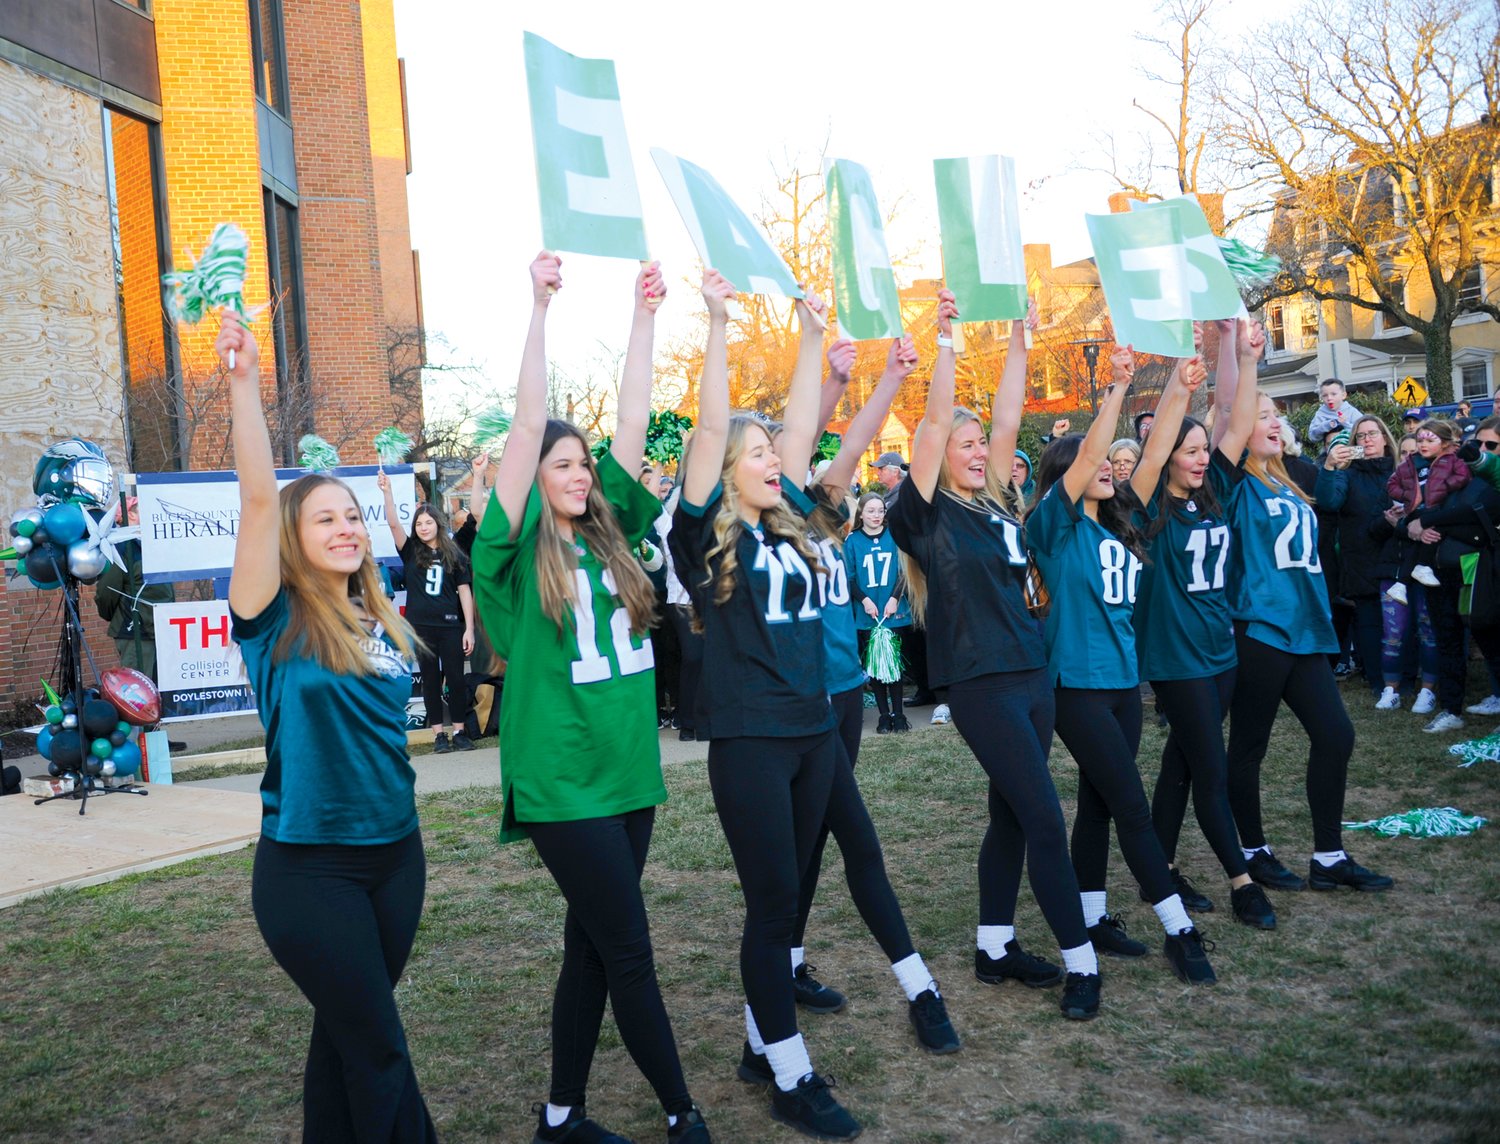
{"x": 81, "y": 794}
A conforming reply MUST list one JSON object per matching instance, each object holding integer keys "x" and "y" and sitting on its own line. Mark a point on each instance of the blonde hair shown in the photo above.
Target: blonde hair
{"x": 557, "y": 560}
{"x": 1274, "y": 467}
{"x": 997, "y": 497}
{"x": 1385, "y": 432}
{"x": 778, "y": 521}
{"x": 322, "y": 627}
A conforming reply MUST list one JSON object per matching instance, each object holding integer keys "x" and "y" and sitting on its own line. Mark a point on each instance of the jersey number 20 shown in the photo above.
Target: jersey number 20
{"x": 591, "y": 666}
{"x": 1296, "y": 545}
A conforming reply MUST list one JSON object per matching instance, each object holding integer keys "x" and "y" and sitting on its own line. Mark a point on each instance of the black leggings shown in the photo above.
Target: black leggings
{"x": 1006, "y": 719}
{"x": 1194, "y": 757}
{"x": 689, "y": 665}
{"x": 771, "y": 795}
{"x": 340, "y": 920}
{"x": 849, "y": 821}
{"x": 1267, "y": 676}
{"x": 1102, "y": 731}
{"x": 889, "y": 697}
{"x": 442, "y": 661}
{"x": 597, "y": 864}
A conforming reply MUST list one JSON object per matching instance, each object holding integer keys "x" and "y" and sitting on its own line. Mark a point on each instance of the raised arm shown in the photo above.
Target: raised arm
{"x": 1010, "y": 398}
{"x": 800, "y": 424}
{"x": 1241, "y": 343}
{"x": 256, "y": 577}
{"x": 478, "y": 501}
{"x": 1095, "y": 448}
{"x": 900, "y": 360}
{"x": 841, "y": 357}
{"x": 1186, "y": 379}
{"x": 523, "y": 444}
{"x": 398, "y": 533}
{"x": 931, "y": 439}
{"x": 705, "y": 461}
{"x": 634, "y": 407}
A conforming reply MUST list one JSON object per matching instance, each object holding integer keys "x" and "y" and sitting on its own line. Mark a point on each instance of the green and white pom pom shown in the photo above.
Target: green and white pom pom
{"x": 883, "y": 656}
{"x": 1427, "y": 822}
{"x": 392, "y": 445}
{"x": 317, "y": 454}
{"x": 216, "y": 279}
{"x": 1251, "y": 268}
{"x": 490, "y": 426}
{"x": 1485, "y": 750}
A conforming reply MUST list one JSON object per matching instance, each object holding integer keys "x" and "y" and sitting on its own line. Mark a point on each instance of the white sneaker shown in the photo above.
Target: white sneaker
{"x": 1445, "y": 721}
{"x": 1426, "y": 701}
{"x": 941, "y": 714}
{"x": 1390, "y": 700}
{"x": 1425, "y": 575}
{"x": 1490, "y": 705}
{"x": 1396, "y": 592}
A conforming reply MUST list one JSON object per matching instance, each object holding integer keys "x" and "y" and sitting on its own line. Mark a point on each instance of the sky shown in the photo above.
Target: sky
{"x": 744, "y": 91}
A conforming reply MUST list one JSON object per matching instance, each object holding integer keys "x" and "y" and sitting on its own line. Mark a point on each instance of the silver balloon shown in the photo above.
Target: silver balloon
{"x": 70, "y": 721}
{"x": 22, "y": 544}
{"x": 107, "y": 767}
{"x": 32, "y": 514}
{"x": 85, "y": 560}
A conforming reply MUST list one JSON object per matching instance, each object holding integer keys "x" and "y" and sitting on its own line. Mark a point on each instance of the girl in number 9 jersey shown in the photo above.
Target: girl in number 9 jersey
{"x": 568, "y": 607}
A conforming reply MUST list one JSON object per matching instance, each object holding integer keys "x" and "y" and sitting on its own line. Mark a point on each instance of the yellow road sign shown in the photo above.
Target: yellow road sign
{"x": 1410, "y": 393}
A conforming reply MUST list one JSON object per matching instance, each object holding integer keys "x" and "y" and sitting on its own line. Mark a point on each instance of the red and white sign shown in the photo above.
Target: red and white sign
{"x": 198, "y": 667}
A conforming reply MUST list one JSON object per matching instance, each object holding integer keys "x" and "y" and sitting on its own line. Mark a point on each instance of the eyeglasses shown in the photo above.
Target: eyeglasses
{"x": 1490, "y": 445}
{"x": 1374, "y": 435}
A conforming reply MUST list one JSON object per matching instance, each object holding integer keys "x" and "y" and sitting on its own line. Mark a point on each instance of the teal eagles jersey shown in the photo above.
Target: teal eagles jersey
{"x": 1275, "y": 579}
{"x": 841, "y": 666}
{"x": 1092, "y": 579}
{"x": 874, "y": 571}
{"x": 1183, "y": 629}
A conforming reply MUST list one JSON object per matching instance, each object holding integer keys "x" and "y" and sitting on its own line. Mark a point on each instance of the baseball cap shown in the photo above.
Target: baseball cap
{"x": 1417, "y": 414}
{"x": 885, "y": 459}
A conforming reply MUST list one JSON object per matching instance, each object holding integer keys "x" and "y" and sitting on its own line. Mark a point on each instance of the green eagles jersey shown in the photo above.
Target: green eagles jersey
{"x": 1183, "y": 629}
{"x": 1092, "y": 578}
{"x": 578, "y": 726}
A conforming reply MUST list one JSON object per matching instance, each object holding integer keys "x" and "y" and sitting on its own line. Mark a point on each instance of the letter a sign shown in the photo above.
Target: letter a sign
{"x": 584, "y": 177}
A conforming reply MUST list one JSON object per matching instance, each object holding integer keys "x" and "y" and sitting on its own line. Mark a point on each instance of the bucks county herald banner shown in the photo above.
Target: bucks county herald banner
{"x": 199, "y": 671}
{"x": 189, "y": 521}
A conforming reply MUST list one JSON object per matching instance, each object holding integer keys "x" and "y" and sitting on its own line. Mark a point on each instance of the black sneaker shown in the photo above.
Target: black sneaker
{"x": 686, "y": 735}
{"x": 440, "y": 744}
{"x": 1187, "y": 955}
{"x": 462, "y": 742}
{"x": 1251, "y": 907}
{"x": 929, "y": 1017}
{"x": 576, "y": 1129}
{"x": 1080, "y": 999}
{"x": 812, "y": 994}
{"x": 755, "y": 1068}
{"x": 1193, "y": 899}
{"x": 1018, "y": 965}
{"x": 1268, "y": 871}
{"x": 689, "y": 1129}
{"x": 1346, "y": 872}
{"x": 1109, "y": 937}
{"x": 883, "y": 725}
{"x": 811, "y": 1110}
{"x": 899, "y": 723}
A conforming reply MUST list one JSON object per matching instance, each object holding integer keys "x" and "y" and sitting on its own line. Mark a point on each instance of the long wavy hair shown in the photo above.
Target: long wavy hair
{"x": 999, "y": 496}
{"x": 1114, "y": 512}
{"x": 326, "y": 628}
{"x": 1168, "y": 505}
{"x": 1273, "y": 467}
{"x": 556, "y": 559}
{"x": 777, "y": 522}
{"x": 445, "y": 551}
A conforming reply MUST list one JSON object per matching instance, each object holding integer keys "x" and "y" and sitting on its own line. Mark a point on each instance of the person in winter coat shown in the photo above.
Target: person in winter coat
{"x": 1437, "y": 443}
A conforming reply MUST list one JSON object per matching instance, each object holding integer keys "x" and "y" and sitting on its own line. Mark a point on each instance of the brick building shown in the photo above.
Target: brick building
{"x": 127, "y": 131}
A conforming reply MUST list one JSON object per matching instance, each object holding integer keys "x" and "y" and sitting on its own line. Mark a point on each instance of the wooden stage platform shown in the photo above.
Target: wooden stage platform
{"x": 50, "y": 846}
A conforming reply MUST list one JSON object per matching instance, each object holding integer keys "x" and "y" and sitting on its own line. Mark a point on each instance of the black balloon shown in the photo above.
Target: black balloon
{"x": 46, "y": 564}
{"x": 118, "y": 738}
{"x": 99, "y": 718}
{"x": 69, "y": 705}
{"x": 69, "y": 748}
{"x": 53, "y": 769}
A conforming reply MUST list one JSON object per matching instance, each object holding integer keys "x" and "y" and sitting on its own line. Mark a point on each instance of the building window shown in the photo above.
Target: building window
{"x": 1276, "y": 324}
{"x": 1471, "y": 285}
{"x": 294, "y": 413}
{"x": 268, "y": 52}
{"x": 1311, "y": 312}
{"x": 1474, "y": 379}
{"x": 1384, "y": 323}
{"x": 137, "y": 220}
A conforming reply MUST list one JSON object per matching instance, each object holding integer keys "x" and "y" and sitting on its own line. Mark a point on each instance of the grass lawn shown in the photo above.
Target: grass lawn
{"x": 149, "y": 1010}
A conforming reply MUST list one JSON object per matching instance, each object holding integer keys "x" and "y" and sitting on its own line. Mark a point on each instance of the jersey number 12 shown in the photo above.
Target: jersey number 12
{"x": 591, "y": 666}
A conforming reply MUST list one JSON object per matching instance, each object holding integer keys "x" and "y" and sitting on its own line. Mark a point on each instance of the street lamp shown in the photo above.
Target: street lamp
{"x": 1091, "y": 358}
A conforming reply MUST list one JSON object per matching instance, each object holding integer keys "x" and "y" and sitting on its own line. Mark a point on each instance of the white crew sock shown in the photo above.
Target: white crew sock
{"x": 1173, "y": 917}
{"x": 789, "y": 1061}
{"x": 993, "y": 939}
{"x": 1254, "y": 850}
{"x": 1081, "y": 959}
{"x": 752, "y": 1034}
{"x": 556, "y": 1115}
{"x": 799, "y": 955}
{"x": 1328, "y": 857}
{"x": 1093, "y": 906}
{"x": 912, "y": 973}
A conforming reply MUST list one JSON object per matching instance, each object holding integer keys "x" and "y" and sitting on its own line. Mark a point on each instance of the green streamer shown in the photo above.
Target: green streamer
{"x": 883, "y": 656}
{"x": 216, "y": 279}
{"x": 1251, "y": 268}
{"x": 392, "y": 445}
{"x": 490, "y": 426}
{"x": 1485, "y": 750}
{"x": 1426, "y": 822}
{"x": 317, "y": 454}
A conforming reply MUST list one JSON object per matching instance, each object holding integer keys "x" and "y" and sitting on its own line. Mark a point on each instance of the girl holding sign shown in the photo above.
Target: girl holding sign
{"x": 339, "y": 869}
{"x": 955, "y": 520}
{"x": 739, "y": 543}
{"x": 568, "y": 607}
{"x": 1089, "y": 553}
{"x": 1283, "y": 629}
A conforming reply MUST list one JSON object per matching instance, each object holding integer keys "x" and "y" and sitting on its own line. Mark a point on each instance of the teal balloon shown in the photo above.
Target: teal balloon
{"x": 64, "y": 523}
{"x": 124, "y": 726}
{"x": 102, "y": 748}
{"x": 44, "y": 741}
{"x": 127, "y": 759}
{"x": 53, "y": 714}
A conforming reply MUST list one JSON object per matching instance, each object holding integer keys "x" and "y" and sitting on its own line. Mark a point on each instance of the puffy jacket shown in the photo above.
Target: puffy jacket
{"x": 1458, "y": 521}
{"x": 1355, "y": 500}
{"x": 1444, "y": 475}
{"x": 124, "y": 599}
